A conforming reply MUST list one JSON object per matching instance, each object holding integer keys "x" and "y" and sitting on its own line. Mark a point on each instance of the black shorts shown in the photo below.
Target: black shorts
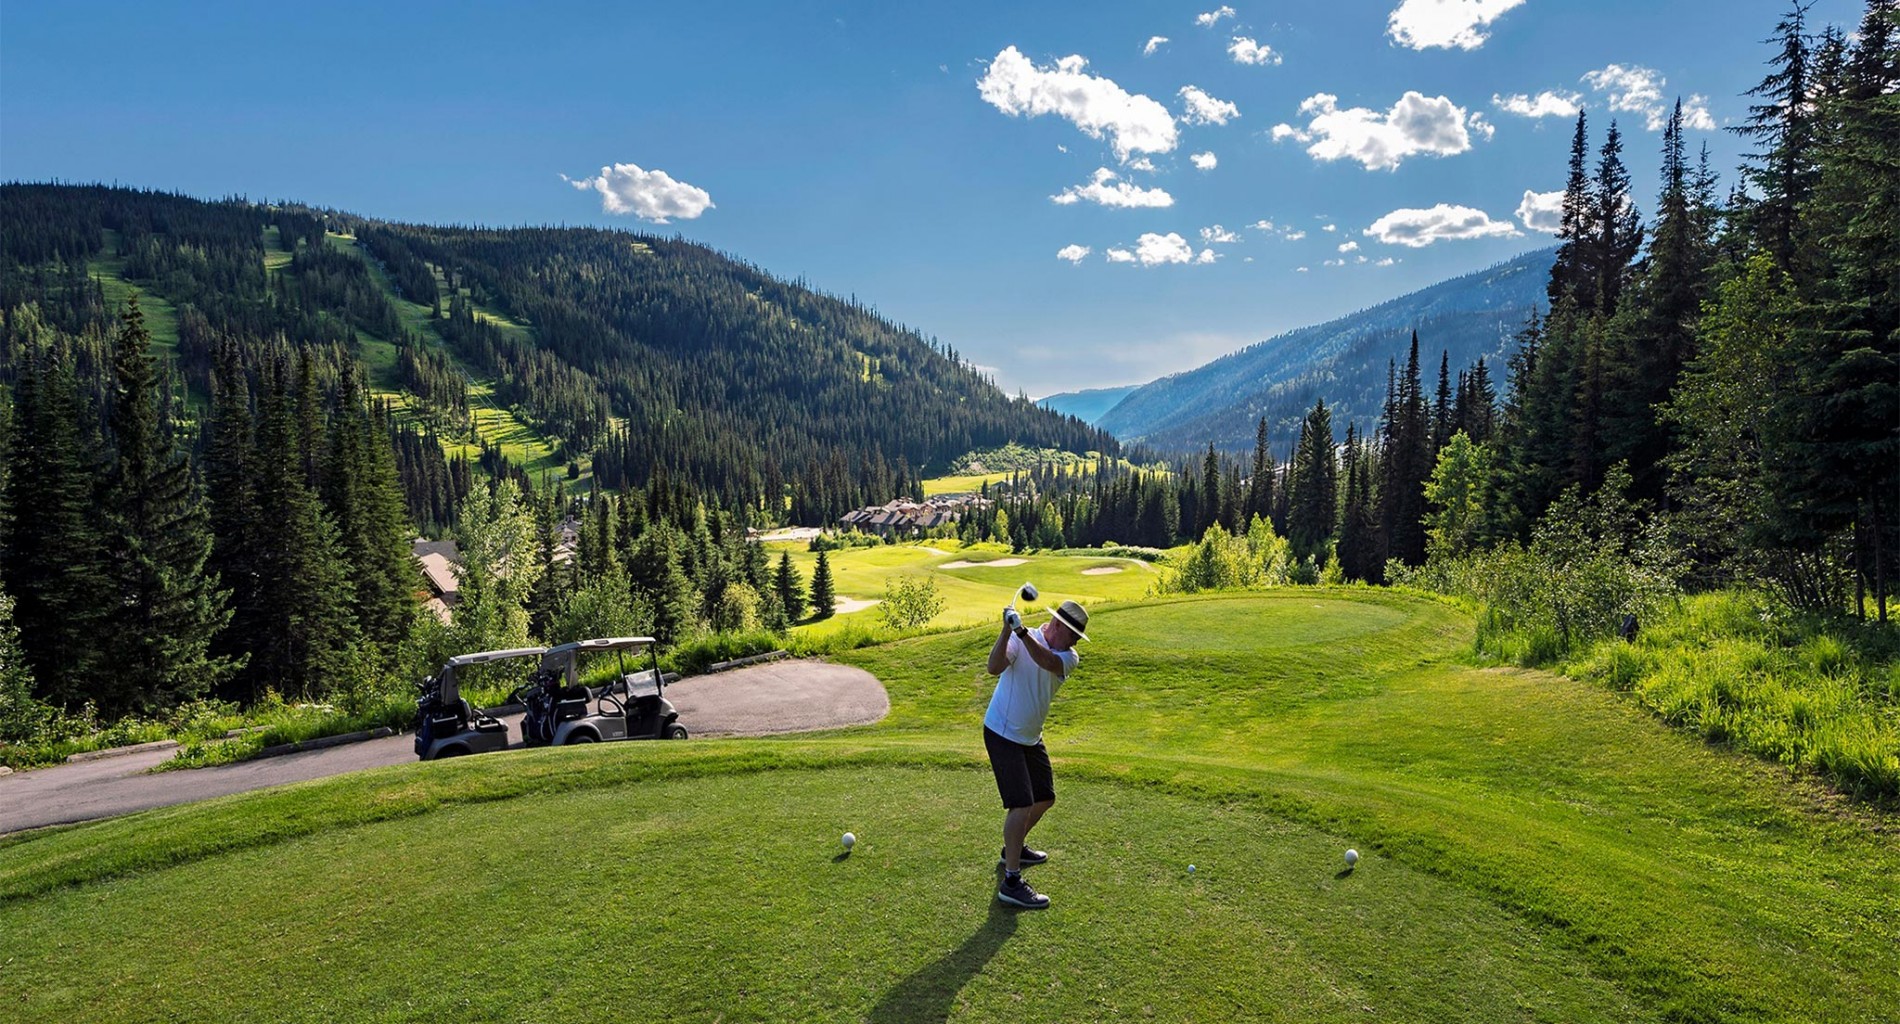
{"x": 1023, "y": 776}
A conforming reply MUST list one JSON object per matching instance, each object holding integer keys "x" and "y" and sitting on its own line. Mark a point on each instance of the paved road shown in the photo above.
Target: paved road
{"x": 776, "y": 697}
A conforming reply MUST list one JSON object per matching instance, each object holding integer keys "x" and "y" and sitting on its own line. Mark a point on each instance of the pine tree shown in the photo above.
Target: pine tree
{"x": 1210, "y": 491}
{"x": 1260, "y": 485}
{"x": 1405, "y": 460}
{"x": 790, "y": 587}
{"x": 361, "y": 493}
{"x": 1619, "y": 227}
{"x": 54, "y": 554}
{"x": 1441, "y": 404}
{"x": 167, "y": 608}
{"x": 1312, "y": 508}
{"x": 1573, "y": 276}
{"x": 303, "y": 628}
{"x": 823, "y": 596}
{"x": 1783, "y": 170}
{"x": 659, "y": 578}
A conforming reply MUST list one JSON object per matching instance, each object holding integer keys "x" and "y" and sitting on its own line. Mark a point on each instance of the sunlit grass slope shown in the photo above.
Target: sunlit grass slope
{"x": 1537, "y": 849}
{"x": 972, "y": 593}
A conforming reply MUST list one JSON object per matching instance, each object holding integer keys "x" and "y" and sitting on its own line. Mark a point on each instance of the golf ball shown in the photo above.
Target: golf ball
{"x": 1190, "y": 869}
{"x": 1352, "y": 857}
{"x": 850, "y": 840}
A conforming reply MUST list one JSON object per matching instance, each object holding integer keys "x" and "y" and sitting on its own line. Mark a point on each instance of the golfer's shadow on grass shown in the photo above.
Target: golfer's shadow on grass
{"x": 930, "y": 993}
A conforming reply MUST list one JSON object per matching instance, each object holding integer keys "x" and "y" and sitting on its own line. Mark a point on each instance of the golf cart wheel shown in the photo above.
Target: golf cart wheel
{"x": 581, "y": 737}
{"x": 675, "y": 732}
{"x": 451, "y": 752}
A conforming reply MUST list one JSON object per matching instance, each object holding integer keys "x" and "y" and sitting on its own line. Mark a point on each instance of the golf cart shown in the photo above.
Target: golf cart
{"x": 560, "y": 710}
{"x": 446, "y": 725}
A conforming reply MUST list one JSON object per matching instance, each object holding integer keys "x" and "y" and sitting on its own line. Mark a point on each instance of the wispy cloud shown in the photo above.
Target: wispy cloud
{"x": 1154, "y": 42}
{"x": 1420, "y": 228}
{"x": 650, "y": 195}
{"x": 1132, "y": 122}
{"x": 1214, "y": 234}
{"x": 1073, "y": 253}
{"x": 1416, "y": 124}
{"x": 1544, "y": 104}
{"x": 1423, "y": 24}
{"x": 1212, "y": 17}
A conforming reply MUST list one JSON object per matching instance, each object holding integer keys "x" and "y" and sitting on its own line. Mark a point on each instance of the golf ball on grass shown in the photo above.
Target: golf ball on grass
{"x": 1352, "y": 857}
{"x": 850, "y": 840}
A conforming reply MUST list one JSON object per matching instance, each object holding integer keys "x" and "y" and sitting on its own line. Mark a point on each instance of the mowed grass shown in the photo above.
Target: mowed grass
{"x": 972, "y": 594}
{"x": 1536, "y": 849}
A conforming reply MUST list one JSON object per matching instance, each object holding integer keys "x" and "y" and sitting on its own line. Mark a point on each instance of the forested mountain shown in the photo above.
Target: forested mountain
{"x": 656, "y": 355}
{"x": 1090, "y": 405}
{"x": 1344, "y": 361}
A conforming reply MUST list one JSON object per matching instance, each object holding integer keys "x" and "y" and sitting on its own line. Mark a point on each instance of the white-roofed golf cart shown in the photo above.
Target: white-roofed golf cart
{"x": 632, "y": 706}
{"x": 446, "y": 724}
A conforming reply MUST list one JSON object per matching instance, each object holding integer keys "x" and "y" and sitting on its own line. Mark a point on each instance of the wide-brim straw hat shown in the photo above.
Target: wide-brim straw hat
{"x": 1073, "y": 616}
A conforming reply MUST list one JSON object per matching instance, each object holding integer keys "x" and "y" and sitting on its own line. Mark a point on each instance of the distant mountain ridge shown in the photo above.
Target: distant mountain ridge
{"x": 1088, "y": 405}
{"x": 1343, "y": 361}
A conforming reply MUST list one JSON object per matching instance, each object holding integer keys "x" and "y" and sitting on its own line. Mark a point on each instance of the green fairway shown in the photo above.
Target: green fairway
{"x": 972, "y": 593}
{"x": 1535, "y": 849}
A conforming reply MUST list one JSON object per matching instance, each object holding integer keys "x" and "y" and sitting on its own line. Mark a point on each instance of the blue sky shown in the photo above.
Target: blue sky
{"x": 931, "y": 160}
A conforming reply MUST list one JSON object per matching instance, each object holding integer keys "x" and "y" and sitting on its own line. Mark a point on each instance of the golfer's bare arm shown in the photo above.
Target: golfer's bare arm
{"x": 999, "y": 653}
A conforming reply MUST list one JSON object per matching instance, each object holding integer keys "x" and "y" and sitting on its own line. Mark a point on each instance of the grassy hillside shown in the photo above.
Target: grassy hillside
{"x": 161, "y": 317}
{"x": 1536, "y": 849}
{"x": 494, "y": 423}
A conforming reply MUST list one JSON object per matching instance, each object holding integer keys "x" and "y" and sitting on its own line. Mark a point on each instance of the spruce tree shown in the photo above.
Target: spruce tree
{"x": 1573, "y": 275}
{"x": 1783, "y": 169}
{"x": 303, "y": 625}
{"x": 373, "y": 530}
{"x": 1260, "y": 485}
{"x": 790, "y": 587}
{"x": 823, "y": 596}
{"x": 166, "y": 607}
{"x": 1312, "y": 504}
{"x": 54, "y": 554}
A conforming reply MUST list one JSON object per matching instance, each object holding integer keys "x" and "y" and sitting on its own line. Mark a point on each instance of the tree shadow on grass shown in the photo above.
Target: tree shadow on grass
{"x": 931, "y": 992}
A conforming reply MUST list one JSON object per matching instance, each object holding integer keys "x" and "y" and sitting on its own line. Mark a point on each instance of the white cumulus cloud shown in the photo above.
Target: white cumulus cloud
{"x": 1246, "y": 51}
{"x": 1388, "y": 261}
{"x": 1416, "y": 124}
{"x": 1204, "y": 161}
{"x": 1348, "y": 246}
{"x": 1153, "y": 43}
{"x": 1106, "y": 190}
{"x": 1120, "y": 256}
{"x": 1217, "y": 235}
{"x": 1205, "y": 109}
{"x": 1207, "y": 256}
{"x": 1073, "y": 253}
{"x": 1544, "y": 104}
{"x": 1142, "y": 163}
{"x": 649, "y": 195}
{"x": 1213, "y": 16}
{"x": 1542, "y": 211}
{"x": 1262, "y": 225}
{"x": 1420, "y": 228}
{"x": 1639, "y": 90}
{"x": 1152, "y": 249}
{"x": 1422, "y": 24}
{"x": 1294, "y": 236}
{"x": 1132, "y": 122}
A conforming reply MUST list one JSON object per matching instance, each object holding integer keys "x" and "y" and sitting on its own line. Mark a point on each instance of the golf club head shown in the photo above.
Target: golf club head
{"x": 1028, "y": 593}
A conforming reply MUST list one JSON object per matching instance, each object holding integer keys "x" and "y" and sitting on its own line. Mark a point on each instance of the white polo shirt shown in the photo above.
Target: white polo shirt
{"x": 1023, "y": 693}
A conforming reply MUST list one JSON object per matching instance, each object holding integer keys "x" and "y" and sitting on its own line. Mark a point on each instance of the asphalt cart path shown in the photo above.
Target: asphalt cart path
{"x": 759, "y": 700}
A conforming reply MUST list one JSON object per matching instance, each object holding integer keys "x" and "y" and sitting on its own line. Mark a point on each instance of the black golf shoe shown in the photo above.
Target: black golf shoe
{"x": 1029, "y": 857}
{"x": 1016, "y": 892}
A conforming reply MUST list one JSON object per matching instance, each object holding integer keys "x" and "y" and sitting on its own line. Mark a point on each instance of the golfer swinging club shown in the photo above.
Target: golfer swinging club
{"x": 1030, "y": 665}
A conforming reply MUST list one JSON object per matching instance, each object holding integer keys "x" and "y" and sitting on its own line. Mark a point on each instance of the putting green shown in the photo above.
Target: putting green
{"x": 726, "y": 898}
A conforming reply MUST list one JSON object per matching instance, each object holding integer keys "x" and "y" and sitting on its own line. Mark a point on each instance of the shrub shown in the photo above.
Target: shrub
{"x": 910, "y": 602}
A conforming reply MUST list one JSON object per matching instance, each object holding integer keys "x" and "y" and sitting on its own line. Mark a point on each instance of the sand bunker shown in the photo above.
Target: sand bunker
{"x": 1103, "y": 570}
{"x": 1000, "y": 563}
{"x": 847, "y": 605}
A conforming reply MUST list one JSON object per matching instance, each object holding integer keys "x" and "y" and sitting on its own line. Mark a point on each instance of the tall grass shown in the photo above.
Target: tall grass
{"x": 1808, "y": 691}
